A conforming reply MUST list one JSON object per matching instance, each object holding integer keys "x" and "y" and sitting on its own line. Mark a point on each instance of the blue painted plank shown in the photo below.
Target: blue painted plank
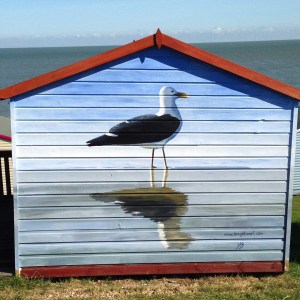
{"x": 143, "y": 175}
{"x": 188, "y": 127}
{"x": 124, "y": 163}
{"x": 68, "y": 236}
{"x": 90, "y": 259}
{"x": 155, "y": 76}
{"x": 182, "y": 139}
{"x": 150, "y": 247}
{"x": 148, "y": 89}
{"x": 193, "y": 199}
{"x": 141, "y": 187}
{"x": 127, "y": 113}
{"x": 134, "y": 101}
{"x": 138, "y": 152}
{"x": 139, "y": 223}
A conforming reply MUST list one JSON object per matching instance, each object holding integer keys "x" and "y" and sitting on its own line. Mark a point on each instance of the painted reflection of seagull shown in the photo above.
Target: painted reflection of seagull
{"x": 150, "y": 131}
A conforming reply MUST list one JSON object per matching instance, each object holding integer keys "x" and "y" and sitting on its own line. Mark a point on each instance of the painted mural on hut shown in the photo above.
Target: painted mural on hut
{"x": 162, "y": 205}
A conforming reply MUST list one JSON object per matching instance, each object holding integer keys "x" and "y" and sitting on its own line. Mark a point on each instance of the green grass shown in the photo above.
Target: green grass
{"x": 223, "y": 287}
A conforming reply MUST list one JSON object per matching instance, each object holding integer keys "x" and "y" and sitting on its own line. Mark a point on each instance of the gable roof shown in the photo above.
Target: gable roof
{"x": 157, "y": 40}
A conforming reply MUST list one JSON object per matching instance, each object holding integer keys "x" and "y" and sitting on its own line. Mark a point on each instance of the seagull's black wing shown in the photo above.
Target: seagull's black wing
{"x": 139, "y": 130}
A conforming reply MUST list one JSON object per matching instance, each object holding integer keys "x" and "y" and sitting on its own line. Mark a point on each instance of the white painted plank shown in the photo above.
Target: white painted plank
{"x": 143, "y": 175}
{"x": 140, "y": 223}
{"x": 139, "y": 152}
{"x": 136, "y": 187}
{"x": 193, "y": 199}
{"x": 179, "y": 257}
{"x": 67, "y": 236}
{"x": 188, "y": 114}
{"x": 151, "y": 246}
{"x": 134, "y": 101}
{"x": 173, "y": 163}
{"x": 117, "y": 212}
{"x": 75, "y": 139}
{"x": 188, "y": 126}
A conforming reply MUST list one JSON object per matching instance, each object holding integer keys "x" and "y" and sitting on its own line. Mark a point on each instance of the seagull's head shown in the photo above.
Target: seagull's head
{"x": 167, "y": 98}
{"x": 167, "y": 91}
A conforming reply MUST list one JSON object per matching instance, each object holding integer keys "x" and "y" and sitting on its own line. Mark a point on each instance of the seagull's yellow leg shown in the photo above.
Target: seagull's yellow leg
{"x": 165, "y": 161}
{"x": 152, "y": 160}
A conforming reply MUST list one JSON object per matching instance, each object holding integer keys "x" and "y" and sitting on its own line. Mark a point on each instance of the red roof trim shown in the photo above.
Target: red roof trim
{"x": 76, "y": 68}
{"x": 159, "y": 39}
{"x": 231, "y": 67}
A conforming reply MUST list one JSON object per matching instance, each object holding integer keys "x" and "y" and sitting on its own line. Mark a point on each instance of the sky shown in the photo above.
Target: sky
{"x": 36, "y": 23}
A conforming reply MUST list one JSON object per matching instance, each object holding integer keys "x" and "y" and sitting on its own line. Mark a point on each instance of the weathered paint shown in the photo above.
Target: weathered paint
{"x": 223, "y": 199}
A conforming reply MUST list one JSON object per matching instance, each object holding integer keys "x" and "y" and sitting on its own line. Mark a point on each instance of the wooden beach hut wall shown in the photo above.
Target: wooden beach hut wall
{"x": 215, "y": 196}
{"x": 297, "y": 165}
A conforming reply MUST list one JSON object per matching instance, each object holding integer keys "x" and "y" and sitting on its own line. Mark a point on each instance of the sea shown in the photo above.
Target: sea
{"x": 276, "y": 59}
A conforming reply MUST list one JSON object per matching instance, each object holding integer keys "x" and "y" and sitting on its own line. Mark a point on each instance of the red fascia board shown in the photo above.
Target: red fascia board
{"x": 5, "y": 137}
{"x": 76, "y": 68}
{"x": 231, "y": 67}
{"x": 152, "y": 269}
{"x": 158, "y": 40}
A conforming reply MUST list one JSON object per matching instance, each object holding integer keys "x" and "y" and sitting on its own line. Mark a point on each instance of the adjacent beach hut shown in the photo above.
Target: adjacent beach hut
{"x": 6, "y": 203}
{"x": 118, "y": 172}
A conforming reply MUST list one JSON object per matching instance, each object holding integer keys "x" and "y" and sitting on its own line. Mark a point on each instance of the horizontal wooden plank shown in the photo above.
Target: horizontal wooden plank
{"x": 139, "y": 152}
{"x": 188, "y": 114}
{"x": 143, "y": 175}
{"x": 150, "y": 246}
{"x": 141, "y": 223}
{"x": 67, "y": 236}
{"x": 157, "y": 61}
{"x": 173, "y": 163}
{"x": 178, "y": 188}
{"x": 193, "y": 199}
{"x": 79, "y": 139}
{"x": 159, "y": 212}
{"x": 149, "y": 88}
{"x": 135, "y": 258}
{"x": 157, "y": 75}
{"x": 187, "y": 127}
{"x": 134, "y": 101}
{"x": 112, "y": 75}
{"x": 152, "y": 269}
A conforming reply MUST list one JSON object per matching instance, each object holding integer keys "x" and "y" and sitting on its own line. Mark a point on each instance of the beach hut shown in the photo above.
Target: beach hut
{"x": 152, "y": 158}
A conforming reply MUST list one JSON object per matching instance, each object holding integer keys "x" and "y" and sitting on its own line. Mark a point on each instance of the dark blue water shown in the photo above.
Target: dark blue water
{"x": 277, "y": 59}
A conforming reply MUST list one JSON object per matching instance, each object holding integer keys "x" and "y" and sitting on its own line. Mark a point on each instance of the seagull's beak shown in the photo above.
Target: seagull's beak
{"x": 181, "y": 95}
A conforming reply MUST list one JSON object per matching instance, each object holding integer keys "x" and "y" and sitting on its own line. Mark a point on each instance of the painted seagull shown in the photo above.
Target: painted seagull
{"x": 150, "y": 131}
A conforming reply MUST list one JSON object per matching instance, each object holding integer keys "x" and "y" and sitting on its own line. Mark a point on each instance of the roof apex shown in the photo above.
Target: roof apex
{"x": 158, "y": 39}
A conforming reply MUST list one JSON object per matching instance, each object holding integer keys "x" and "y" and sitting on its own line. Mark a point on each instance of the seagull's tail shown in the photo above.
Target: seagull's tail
{"x": 101, "y": 141}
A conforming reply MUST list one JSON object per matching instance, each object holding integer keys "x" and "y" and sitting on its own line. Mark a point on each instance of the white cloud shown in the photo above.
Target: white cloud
{"x": 217, "y": 30}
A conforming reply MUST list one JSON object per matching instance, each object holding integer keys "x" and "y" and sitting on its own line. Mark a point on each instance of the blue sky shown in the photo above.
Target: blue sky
{"x": 30, "y": 23}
